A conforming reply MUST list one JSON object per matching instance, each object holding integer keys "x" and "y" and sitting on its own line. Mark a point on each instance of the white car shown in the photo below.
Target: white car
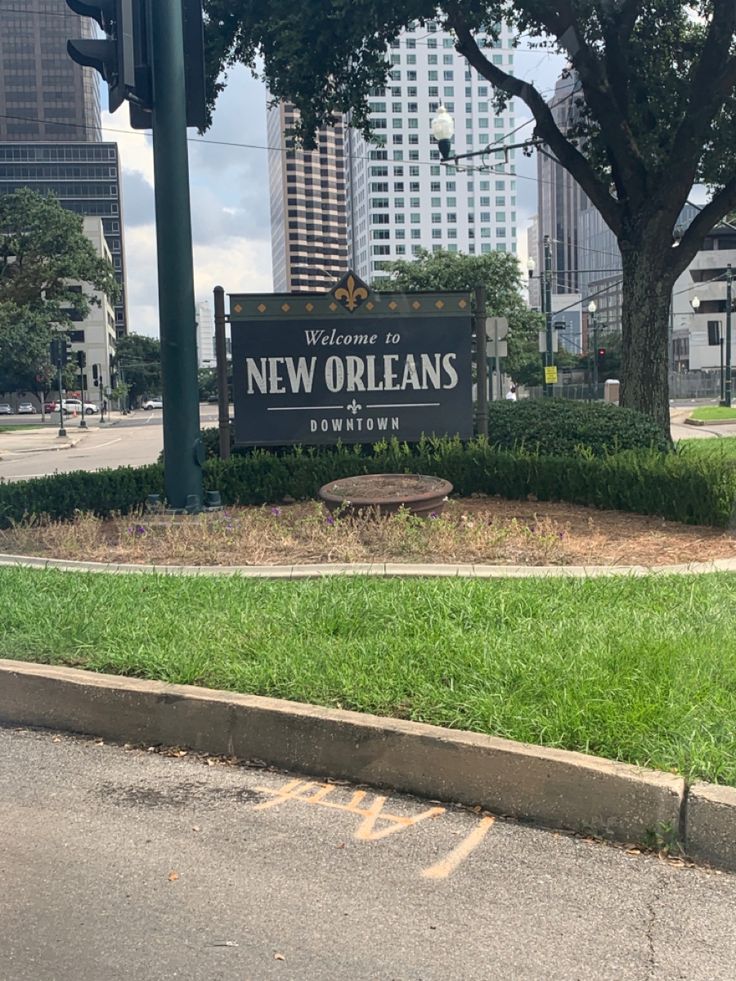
{"x": 153, "y": 404}
{"x": 74, "y": 406}
{"x": 26, "y": 409}
{"x": 5, "y": 409}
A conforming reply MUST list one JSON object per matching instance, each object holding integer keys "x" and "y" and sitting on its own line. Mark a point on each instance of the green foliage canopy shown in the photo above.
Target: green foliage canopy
{"x": 44, "y": 256}
{"x": 138, "y": 358}
{"x": 499, "y": 273}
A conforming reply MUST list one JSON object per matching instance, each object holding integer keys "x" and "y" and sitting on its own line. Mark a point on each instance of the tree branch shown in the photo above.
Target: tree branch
{"x": 709, "y": 86}
{"x": 601, "y": 95}
{"x": 711, "y": 213}
{"x": 546, "y": 127}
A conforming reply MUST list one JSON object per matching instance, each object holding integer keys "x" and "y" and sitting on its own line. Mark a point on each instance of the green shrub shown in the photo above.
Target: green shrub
{"x": 553, "y": 427}
{"x": 59, "y": 496}
{"x": 557, "y": 427}
{"x": 680, "y": 487}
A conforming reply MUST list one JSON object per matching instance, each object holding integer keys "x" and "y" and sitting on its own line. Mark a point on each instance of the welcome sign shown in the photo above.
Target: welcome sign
{"x": 350, "y": 365}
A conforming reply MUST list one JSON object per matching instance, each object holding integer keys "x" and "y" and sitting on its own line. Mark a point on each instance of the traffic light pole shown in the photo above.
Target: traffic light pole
{"x": 729, "y": 303}
{"x": 62, "y": 431}
{"x": 549, "y": 355}
{"x": 183, "y": 455}
{"x": 82, "y": 366}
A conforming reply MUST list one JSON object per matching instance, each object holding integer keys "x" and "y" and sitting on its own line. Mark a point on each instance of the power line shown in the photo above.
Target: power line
{"x": 495, "y": 168}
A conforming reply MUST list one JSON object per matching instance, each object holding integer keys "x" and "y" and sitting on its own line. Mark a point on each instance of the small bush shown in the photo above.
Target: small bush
{"x": 680, "y": 487}
{"x": 103, "y": 492}
{"x": 557, "y": 427}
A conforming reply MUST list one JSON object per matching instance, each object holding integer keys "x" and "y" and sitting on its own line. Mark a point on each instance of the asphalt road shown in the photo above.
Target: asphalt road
{"x": 124, "y": 864}
{"x": 131, "y": 441}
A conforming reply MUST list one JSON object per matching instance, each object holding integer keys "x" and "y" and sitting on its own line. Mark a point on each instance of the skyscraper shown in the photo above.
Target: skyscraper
{"x": 401, "y": 199}
{"x": 362, "y": 204}
{"x": 308, "y": 224}
{"x": 560, "y": 197}
{"x": 50, "y": 135}
{"x": 44, "y": 95}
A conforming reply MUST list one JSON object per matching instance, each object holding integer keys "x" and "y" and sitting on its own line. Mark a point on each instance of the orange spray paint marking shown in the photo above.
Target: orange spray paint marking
{"x": 447, "y": 865}
{"x": 316, "y": 794}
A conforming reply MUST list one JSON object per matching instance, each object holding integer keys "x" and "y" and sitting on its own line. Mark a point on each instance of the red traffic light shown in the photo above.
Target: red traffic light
{"x": 601, "y": 352}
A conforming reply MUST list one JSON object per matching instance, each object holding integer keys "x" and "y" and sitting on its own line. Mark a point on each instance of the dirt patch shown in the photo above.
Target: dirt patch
{"x": 478, "y": 529}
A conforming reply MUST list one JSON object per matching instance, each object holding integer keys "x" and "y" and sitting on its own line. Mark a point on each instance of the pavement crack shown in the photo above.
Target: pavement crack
{"x": 651, "y": 917}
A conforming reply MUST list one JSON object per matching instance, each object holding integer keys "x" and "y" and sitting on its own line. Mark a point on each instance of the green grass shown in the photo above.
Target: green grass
{"x": 707, "y": 413}
{"x": 723, "y": 446}
{"x": 641, "y": 670}
{"x": 18, "y": 428}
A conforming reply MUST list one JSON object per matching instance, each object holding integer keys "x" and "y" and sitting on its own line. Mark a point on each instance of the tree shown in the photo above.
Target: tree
{"x": 44, "y": 256}
{"x": 138, "y": 359}
{"x": 657, "y": 113}
{"x": 499, "y": 273}
{"x": 207, "y": 380}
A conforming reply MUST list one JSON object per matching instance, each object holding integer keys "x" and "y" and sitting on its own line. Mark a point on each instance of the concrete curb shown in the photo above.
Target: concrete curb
{"x": 555, "y": 788}
{"x": 385, "y": 569}
{"x": 710, "y": 831}
{"x": 710, "y": 422}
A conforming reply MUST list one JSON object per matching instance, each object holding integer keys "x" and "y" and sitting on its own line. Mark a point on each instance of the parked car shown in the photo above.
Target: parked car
{"x": 153, "y": 404}
{"x": 27, "y": 409}
{"x": 5, "y": 409}
{"x": 50, "y": 406}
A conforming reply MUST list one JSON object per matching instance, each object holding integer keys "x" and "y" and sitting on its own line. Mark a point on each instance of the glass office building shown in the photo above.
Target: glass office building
{"x": 44, "y": 95}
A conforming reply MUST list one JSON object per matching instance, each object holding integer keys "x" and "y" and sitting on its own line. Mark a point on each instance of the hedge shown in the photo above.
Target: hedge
{"x": 680, "y": 487}
{"x": 553, "y": 427}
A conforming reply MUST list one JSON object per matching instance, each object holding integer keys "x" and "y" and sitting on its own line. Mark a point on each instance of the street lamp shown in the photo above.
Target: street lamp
{"x": 594, "y": 355}
{"x": 443, "y": 129}
{"x": 531, "y": 266}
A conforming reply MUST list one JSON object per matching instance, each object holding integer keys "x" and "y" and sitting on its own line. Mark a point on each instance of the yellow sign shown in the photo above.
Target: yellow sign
{"x": 550, "y": 375}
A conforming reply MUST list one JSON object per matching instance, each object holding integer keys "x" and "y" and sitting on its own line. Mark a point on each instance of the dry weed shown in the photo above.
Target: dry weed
{"x": 481, "y": 530}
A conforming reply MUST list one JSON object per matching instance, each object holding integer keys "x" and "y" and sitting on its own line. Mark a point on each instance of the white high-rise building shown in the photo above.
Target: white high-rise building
{"x": 400, "y": 198}
{"x": 205, "y": 334}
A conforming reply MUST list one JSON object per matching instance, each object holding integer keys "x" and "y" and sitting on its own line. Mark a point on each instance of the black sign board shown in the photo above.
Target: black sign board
{"x": 351, "y": 365}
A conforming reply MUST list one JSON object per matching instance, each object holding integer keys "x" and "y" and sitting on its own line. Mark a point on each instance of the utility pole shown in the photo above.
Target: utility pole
{"x": 82, "y": 362}
{"x": 729, "y": 303}
{"x": 481, "y": 356}
{"x": 183, "y": 453}
{"x": 152, "y": 60}
{"x": 547, "y": 294}
{"x": 223, "y": 401}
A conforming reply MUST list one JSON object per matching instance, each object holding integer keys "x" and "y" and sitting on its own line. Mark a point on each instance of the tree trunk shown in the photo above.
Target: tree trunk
{"x": 647, "y": 294}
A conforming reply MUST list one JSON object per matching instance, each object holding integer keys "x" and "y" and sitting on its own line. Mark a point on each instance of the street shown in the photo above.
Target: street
{"x": 130, "y": 440}
{"x": 122, "y": 863}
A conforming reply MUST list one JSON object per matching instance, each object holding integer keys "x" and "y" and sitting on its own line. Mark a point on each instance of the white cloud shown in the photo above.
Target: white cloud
{"x": 230, "y": 211}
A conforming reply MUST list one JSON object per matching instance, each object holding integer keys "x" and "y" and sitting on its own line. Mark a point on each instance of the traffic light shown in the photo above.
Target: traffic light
{"x": 113, "y": 57}
{"x": 60, "y": 352}
{"x": 81, "y": 360}
{"x": 600, "y": 357}
{"x": 95, "y": 374}
{"x": 194, "y": 71}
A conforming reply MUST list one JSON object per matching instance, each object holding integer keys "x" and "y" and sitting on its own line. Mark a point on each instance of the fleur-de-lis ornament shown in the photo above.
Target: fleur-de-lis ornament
{"x": 351, "y": 292}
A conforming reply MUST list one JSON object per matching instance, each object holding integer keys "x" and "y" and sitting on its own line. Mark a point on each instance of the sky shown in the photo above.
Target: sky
{"x": 229, "y": 193}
